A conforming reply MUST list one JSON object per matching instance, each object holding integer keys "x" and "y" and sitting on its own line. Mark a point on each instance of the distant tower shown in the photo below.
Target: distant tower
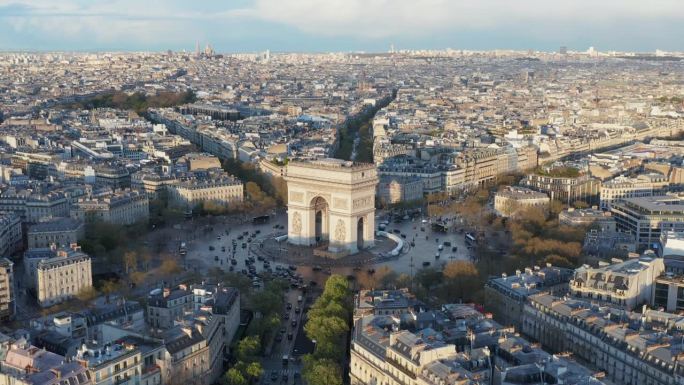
{"x": 197, "y": 48}
{"x": 267, "y": 55}
{"x": 362, "y": 85}
{"x": 563, "y": 50}
{"x": 391, "y": 48}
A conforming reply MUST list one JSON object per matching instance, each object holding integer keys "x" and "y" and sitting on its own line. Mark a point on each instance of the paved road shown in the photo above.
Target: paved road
{"x": 286, "y": 373}
{"x": 426, "y": 247}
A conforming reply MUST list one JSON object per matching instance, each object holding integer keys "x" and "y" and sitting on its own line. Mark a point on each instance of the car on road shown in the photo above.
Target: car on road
{"x": 293, "y": 323}
{"x": 274, "y": 375}
{"x": 297, "y": 310}
{"x": 282, "y": 331}
{"x": 289, "y": 336}
{"x": 289, "y": 306}
{"x": 285, "y": 376}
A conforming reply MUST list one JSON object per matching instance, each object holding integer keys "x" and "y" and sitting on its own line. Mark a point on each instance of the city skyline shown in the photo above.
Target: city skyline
{"x": 341, "y": 192}
{"x": 306, "y": 26}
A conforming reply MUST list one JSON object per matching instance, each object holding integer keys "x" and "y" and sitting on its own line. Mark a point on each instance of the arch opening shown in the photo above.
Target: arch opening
{"x": 320, "y": 209}
{"x": 359, "y": 234}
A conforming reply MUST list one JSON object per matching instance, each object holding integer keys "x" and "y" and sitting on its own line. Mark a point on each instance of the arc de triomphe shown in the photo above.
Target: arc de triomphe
{"x": 333, "y": 201}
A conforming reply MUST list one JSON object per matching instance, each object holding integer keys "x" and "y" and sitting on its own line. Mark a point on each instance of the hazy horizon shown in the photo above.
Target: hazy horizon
{"x": 339, "y": 25}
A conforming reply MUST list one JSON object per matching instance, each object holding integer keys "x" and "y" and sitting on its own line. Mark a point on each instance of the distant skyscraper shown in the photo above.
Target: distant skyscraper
{"x": 197, "y": 48}
{"x": 563, "y": 50}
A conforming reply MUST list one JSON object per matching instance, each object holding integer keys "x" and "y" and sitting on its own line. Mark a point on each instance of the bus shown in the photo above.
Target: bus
{"x": 260, "y": 220}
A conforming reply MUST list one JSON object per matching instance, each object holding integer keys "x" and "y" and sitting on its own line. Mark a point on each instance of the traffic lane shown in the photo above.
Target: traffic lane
{"x": 287, "y": 344}
{"x": 199, "y": 250}
{"x": 426, "y": 247}
{"x": 275, "y": 362}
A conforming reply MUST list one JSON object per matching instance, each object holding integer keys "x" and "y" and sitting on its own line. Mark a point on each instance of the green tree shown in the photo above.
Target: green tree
{"x": 266, "y": 301}
{"x": 336, "y": 289}
{"x": 328, "y": 332}
{"x": 321, "y": 371}
{"x": 254, "y": 370}
{"x": 248, "y": 349}
{"x": 234, "y": 377}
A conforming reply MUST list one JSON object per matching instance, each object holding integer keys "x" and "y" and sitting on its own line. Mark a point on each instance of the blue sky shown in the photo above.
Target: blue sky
{"x": 340, "y": 25}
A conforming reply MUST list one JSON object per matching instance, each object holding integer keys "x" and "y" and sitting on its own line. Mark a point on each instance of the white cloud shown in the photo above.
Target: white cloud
{"x": 170, "y": 21}
{"x": 379, "y": 18}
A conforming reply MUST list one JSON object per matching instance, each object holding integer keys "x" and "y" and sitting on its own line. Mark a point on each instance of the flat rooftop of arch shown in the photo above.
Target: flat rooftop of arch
{"x": 333, "y": 164}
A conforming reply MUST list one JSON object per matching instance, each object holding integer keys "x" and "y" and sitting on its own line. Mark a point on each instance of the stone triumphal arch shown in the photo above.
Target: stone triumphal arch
{"x": 331, "y": 201}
